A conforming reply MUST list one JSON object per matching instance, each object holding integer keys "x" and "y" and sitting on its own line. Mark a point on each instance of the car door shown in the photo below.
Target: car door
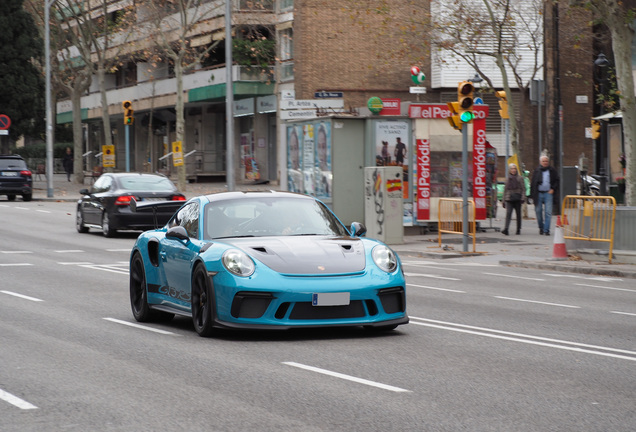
{"x": 178, "y": 255}
{"x": 93, "y": 205}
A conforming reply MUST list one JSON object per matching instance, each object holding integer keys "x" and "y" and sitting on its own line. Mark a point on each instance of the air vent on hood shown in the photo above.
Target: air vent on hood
{"x": 260, "y": 249}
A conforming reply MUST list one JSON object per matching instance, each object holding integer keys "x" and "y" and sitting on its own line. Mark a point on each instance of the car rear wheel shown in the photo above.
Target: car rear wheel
{"x": 11, "y": 197}
{"x": 139, "y": 294}
{"x": 79, "y": 222}
{"x": 202, "y": 302}
{"x": 106, "y": 227}
{"x": 27, "y": 197}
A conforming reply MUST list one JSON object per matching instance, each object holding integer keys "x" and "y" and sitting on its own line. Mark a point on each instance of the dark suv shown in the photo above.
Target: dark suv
{"x": 15, "y": 178}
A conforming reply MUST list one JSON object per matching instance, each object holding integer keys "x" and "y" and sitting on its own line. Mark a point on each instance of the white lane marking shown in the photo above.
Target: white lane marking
{"x": 427, "y": 263}
{"x": 513, "y": 276}
{"x": 16, "y": 252}
{"x": 623, "y": 313}
{"x": 597, "y": 278}
{"x": 529, "y": 339}
{"x": 21, "y": 208}
{"x": 118, "y": 250}
{"x": 76, "y": 263}
{"x": 43, "y": 211}
{"x": 109, "y": 268}
{"x": 69, "y": 251}
{"x": 16, "y": 401}
{"x": 538, "y": 302}
{"x": 126, "y": 323}
{"x": 436, "y": 288}
{"x": 16, "y": 265}
{"x": 22, "y": 296}
{"x": 346, "y": 377}
{"x": 607, "y": 288}
{"x": 431, "y": 276}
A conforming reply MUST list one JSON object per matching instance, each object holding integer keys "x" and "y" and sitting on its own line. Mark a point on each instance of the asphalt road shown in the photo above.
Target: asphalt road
{"x": 489, "y": 348}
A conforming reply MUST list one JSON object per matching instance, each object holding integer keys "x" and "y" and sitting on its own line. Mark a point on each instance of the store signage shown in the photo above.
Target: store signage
{"x": 423, "y": 179}
{"x": 375, "y": 105}
{"x": 441, "y": 111}
{"x": 266, "y": 104}
{"x": 244, "y": 107}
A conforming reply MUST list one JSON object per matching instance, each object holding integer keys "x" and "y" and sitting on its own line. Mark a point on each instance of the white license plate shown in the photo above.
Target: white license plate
{"x": 330, "y": 299}
{"x": 153, "y": 199}
{"x": 10, "y": 174}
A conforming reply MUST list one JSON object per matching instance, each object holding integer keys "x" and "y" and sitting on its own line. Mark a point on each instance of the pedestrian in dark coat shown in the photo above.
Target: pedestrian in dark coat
{"x": 67, "y": 162}
{"x": 545, "y": 194}
{"x": 513, "y": 197}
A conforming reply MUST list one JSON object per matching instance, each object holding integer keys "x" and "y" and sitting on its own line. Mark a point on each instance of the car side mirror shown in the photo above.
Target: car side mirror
{"x": 84, "y": 192}
{"x": 178, "y": 233}
{"x": 358, "y": 229}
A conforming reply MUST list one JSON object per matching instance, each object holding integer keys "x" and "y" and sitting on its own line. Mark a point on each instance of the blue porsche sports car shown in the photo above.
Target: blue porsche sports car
{"x": 263, "y": 260}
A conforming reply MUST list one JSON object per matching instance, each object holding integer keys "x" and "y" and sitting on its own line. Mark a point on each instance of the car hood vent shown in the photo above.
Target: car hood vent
{"x": 306, "y": 255}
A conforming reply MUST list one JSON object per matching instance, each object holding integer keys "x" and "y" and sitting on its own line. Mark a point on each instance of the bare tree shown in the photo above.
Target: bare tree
{"x": 171, "y": 25}
{"x": 618, "y": 16}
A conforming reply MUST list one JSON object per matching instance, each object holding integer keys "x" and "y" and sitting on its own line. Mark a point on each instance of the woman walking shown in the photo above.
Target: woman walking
{"x": 514, "y": 192}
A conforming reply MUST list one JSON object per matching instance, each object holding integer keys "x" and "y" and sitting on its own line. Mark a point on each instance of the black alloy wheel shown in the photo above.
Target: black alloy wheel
{"x": 139, "y": 294}
{"x": 107, "y": 229}
{"x": 202, "y": 302}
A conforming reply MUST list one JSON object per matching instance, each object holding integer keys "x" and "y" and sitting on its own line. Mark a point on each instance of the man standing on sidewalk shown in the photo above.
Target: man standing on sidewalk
{"x": 545, "y": 193}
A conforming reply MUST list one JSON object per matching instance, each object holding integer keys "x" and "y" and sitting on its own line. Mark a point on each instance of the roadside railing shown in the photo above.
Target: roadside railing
{"x": 589, "y": 218}
{"x": 450, "y": 218}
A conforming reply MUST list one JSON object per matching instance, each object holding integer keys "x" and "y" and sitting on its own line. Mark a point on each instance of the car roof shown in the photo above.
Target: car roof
{"x": 126, "y": 174}
{"x": 11, "y": 157}
{"x": 238, "y": 195}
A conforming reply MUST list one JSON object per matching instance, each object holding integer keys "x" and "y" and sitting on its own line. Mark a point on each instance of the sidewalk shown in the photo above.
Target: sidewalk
{"x": 529, "y": 250}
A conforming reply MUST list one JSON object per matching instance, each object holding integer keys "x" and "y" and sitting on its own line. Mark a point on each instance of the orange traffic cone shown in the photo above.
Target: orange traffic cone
{"x": 559, "y": 251}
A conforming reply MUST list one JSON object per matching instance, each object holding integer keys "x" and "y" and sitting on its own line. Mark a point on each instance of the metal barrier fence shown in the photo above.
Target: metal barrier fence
{"x": 450, "y": 218}
{"x": 589, "y": 218}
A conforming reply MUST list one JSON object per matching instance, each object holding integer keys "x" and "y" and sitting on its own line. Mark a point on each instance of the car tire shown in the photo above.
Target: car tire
{"x": 202, "y": 302}
{"x": 11, "y": 197}
{"x": 79, "y": 222}
{"x": 27, "y": 197}
{"x": 107, "y": 229}
{"x": 139, "y": 294}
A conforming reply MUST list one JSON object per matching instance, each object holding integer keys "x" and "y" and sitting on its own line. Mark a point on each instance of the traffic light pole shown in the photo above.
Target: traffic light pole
{"x": 127, "y": 128}
{"x": 465, "y": 188}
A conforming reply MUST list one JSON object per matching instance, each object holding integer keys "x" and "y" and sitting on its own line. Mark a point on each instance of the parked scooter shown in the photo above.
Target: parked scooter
{"x": 590, "y": 184}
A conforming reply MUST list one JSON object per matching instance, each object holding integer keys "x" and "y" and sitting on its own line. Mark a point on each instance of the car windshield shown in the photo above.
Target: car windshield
{"x": 270, "y": 216}
{"x": 146, "y": 183}
{"x": 12, "y": 164}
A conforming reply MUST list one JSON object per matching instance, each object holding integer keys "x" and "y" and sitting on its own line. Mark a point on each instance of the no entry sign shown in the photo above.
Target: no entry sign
{"x": 5, "y": 122}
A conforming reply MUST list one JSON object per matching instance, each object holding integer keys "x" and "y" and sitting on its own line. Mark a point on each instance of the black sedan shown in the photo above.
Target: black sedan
{"x": 106, "y": 206}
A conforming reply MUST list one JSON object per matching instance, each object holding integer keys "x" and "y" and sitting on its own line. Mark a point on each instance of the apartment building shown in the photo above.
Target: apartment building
{"x": 323, "y": 47}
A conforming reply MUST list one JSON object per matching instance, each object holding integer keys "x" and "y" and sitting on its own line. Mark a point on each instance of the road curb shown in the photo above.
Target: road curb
{"x": 589, "y": 270}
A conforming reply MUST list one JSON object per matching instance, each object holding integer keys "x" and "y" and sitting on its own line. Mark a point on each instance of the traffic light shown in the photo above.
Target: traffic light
{"x": 503, "y": 104}
{"x": 596, "y": 129}
{"x": 465, "y": 91}
{"x": 128, "y": 112}
{"x": 453, "y": 118}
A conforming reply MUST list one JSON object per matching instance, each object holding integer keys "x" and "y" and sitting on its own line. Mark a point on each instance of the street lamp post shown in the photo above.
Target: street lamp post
{"x": 49, "y": 110}
{"x": 601, "y": 63}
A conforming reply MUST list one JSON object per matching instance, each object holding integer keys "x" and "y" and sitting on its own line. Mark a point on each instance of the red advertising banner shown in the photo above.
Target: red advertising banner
{"x": 479, "y": 167}
{"x": 423, "y": 179}
{"x": 390, "y": 107}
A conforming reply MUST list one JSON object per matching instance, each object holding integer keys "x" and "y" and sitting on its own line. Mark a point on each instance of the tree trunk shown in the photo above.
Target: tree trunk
{"x": 181, "y": 170}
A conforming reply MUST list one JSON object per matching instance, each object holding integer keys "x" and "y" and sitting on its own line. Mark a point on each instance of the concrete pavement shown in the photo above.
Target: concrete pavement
{"x": 529, "y": 249}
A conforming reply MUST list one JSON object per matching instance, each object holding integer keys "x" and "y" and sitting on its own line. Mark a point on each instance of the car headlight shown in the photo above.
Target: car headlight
{"x": 238, "y": 263}
{"x": 384, "y": 258}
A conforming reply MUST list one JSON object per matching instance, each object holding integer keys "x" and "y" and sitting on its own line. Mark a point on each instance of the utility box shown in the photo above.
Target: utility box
{"x": 383, "y": 208}
{"x": 570, "y": 180}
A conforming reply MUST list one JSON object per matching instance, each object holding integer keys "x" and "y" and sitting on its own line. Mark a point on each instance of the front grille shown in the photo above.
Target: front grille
{"x": 305, "y": 311}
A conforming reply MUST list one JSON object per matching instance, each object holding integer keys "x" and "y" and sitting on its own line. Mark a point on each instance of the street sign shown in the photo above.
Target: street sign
{"x": 418, "y": 90}
{"x": 4, "y": 132}
{"x": 5, "y": 122}
{"x": 328, "y": 94}
{"x": 297, "y": 114}
{"x": 311, "y": 103}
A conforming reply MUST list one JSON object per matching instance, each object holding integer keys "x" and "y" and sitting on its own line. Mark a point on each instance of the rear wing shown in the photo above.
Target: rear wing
{"x": 155, "y": 206}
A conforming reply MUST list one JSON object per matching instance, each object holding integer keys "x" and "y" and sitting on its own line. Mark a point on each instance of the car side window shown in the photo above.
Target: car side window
{"x": 102, "y": 184}
{"x": 188, "y": 217}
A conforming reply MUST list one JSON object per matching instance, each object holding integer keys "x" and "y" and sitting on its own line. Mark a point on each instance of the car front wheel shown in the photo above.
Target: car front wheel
{"x": 79, "y": 222}
{"x": 202, "y": 302}
{"x": 139, "y": 294}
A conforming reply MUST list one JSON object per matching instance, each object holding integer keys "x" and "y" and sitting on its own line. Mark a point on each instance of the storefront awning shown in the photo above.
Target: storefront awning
{"x": 615, "y": 114}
